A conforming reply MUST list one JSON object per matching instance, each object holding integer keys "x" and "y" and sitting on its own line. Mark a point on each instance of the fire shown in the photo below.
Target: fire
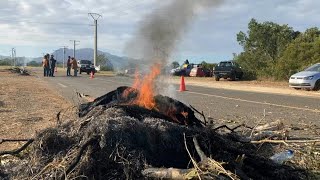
{"x": 142, "y": 94}
{"x": 184, "y": 114}
{"x": 145, "y": 88}
{"x": 135, "y": 85}
{"x": 146, "y": 91}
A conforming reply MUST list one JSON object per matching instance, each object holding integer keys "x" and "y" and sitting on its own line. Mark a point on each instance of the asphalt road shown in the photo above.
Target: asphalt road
{"x": 220, "y": 105}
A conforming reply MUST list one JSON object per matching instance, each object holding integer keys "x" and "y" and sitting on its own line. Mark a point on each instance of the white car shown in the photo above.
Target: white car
{"x": 307, "y": 79}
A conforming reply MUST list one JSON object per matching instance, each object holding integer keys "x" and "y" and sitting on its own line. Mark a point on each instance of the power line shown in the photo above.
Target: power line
{"x": 130, "y": 6}
{"x": 14, "y": 55}
{"x": 95, "y": 17}
{"x": 64, "y": 53}
{"x": 74, "y": 47}
{"x": 49, "y": 23}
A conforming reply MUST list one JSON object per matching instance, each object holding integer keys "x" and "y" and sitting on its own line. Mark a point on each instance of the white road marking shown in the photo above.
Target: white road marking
{"x": 255, "y": 102}
{"x": 129, "y": 84}
{"x": 236, "y": 99}
{"x": 64, "y": 86}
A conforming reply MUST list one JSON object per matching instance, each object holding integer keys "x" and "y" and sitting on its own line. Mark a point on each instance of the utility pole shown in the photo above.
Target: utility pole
{"x": 64, "y": 53}
{"x": 74, "y": 47}
{"x": 13, "y": 54}
{"x": 95, "y": 17}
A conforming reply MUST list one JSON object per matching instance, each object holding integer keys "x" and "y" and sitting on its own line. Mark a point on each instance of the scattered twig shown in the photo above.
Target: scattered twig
{"x": 192, "y": 160}
{"x": 78, "y": 157}
{"x": 272, "y": 126}
{"x": 210, "y": 164}
{"x": 203, "y": 116}
{"x": 257, "y": 123}
{"x": 12, "y": 140}
{"x": 17, "y": 151}
{"x": 232, "y": 129}
{"x": 166, "y": 173}
{"x": 203, "y": 157}
{"x": 285, "y": 141}
{"x": 58, "y": 117}
{"x": 85, "y": 96}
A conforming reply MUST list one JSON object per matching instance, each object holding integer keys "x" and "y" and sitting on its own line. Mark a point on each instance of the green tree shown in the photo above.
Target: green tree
{"x": 301, "y": 53}
{"x": 102, "y": 60}
{"x": 33, "y": 63}
{"x": 208, "y": 66}
{"x": 104, "y": 63}
{"x": 269, "y": 37}
{"x": 263, "y": 45}
{"x": 5, "y": 62}
{"x": 175, "y": 64}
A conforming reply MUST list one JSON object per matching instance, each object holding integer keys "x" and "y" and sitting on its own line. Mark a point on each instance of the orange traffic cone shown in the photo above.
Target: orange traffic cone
{"x": 91, "y": 75}
{"x": 182, "y": 84}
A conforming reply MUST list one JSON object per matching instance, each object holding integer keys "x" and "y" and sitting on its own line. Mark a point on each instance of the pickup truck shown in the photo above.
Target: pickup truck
{"x": 86, "y": 66}
{"x": 227, "y": 69}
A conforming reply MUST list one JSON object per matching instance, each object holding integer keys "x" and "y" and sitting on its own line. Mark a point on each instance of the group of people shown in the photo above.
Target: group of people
{"x": 72, "y": 63}
{"x": 49, "y": 65}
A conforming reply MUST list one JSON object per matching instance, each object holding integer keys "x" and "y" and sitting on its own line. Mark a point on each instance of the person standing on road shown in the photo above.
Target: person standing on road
{"x": 69, "y": 66}
{"x": 74, "y": 66}
{"x": 52, "y": 65}
{"x": 45, "y": 65}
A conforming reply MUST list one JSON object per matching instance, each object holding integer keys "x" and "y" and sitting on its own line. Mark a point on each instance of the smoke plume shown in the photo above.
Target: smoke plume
{"x": 160, "y": 31}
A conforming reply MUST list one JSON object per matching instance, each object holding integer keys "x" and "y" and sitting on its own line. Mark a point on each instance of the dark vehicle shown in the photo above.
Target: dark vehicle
{"x": 183, "y": 70}
{"x": 227, "y": 69}
{"x": 86, "y": 66}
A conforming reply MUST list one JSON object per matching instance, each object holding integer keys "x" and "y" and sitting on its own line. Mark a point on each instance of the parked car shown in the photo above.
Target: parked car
{"x": 200, "y": 72}
{"x": 307, "y": 79}
{"x": 227, "y": 69}
{"x": 183, "y": 70}
{"x": 86, "y": 66}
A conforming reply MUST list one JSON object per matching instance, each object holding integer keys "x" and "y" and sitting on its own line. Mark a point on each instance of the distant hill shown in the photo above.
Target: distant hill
{"x": 117, "y": 62}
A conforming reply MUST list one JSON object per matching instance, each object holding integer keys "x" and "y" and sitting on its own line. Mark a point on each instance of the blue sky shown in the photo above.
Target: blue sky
{"x": 35, "y": 27}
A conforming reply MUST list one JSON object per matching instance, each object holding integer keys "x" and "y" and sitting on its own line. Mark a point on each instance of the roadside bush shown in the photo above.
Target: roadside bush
{"x": 33, "y": 64}
{"x": 106, "y": 68}
{"x": 5, "y": 62}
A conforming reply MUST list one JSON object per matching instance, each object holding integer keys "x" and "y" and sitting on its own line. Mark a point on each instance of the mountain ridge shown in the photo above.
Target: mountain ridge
{"x": 117, "y": 62}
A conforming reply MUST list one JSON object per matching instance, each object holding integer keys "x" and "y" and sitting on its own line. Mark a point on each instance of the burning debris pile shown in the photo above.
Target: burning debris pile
{"x": 20, "y": 71}
{"x": 115, "y": 137}
{"x": 131, "y": 133}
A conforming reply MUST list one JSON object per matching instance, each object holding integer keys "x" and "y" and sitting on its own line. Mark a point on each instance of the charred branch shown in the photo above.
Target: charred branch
{"x": 17, "y": 151}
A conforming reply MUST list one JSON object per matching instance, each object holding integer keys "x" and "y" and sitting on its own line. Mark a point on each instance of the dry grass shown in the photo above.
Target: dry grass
{"x": 27, "y": 105}
{"x": 106, "y": 73}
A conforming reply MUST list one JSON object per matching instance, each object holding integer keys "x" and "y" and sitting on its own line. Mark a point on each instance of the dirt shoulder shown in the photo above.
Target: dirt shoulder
{"x": 253, "y": 86}
{"x": 27, "y": 105}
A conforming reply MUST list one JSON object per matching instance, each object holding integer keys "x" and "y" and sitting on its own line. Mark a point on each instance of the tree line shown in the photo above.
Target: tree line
{"x": 276, "y": 51}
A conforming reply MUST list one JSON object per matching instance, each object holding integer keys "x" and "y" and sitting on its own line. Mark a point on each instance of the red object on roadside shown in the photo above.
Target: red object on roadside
{"x": 182, "y": 84}
{"x": 91, "y": 75}
{"x": 197, "y": 72}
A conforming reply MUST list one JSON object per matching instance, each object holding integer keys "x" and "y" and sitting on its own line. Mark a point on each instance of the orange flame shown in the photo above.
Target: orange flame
{"x": 135, "y": 85}
{"x": 184, "y": 114}
{"x": 146, "y": 92}
{"x": 145, "y": 96}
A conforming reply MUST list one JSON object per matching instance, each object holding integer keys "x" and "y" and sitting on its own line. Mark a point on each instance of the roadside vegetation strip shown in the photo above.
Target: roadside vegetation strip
{"x": 256, "y": 102}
